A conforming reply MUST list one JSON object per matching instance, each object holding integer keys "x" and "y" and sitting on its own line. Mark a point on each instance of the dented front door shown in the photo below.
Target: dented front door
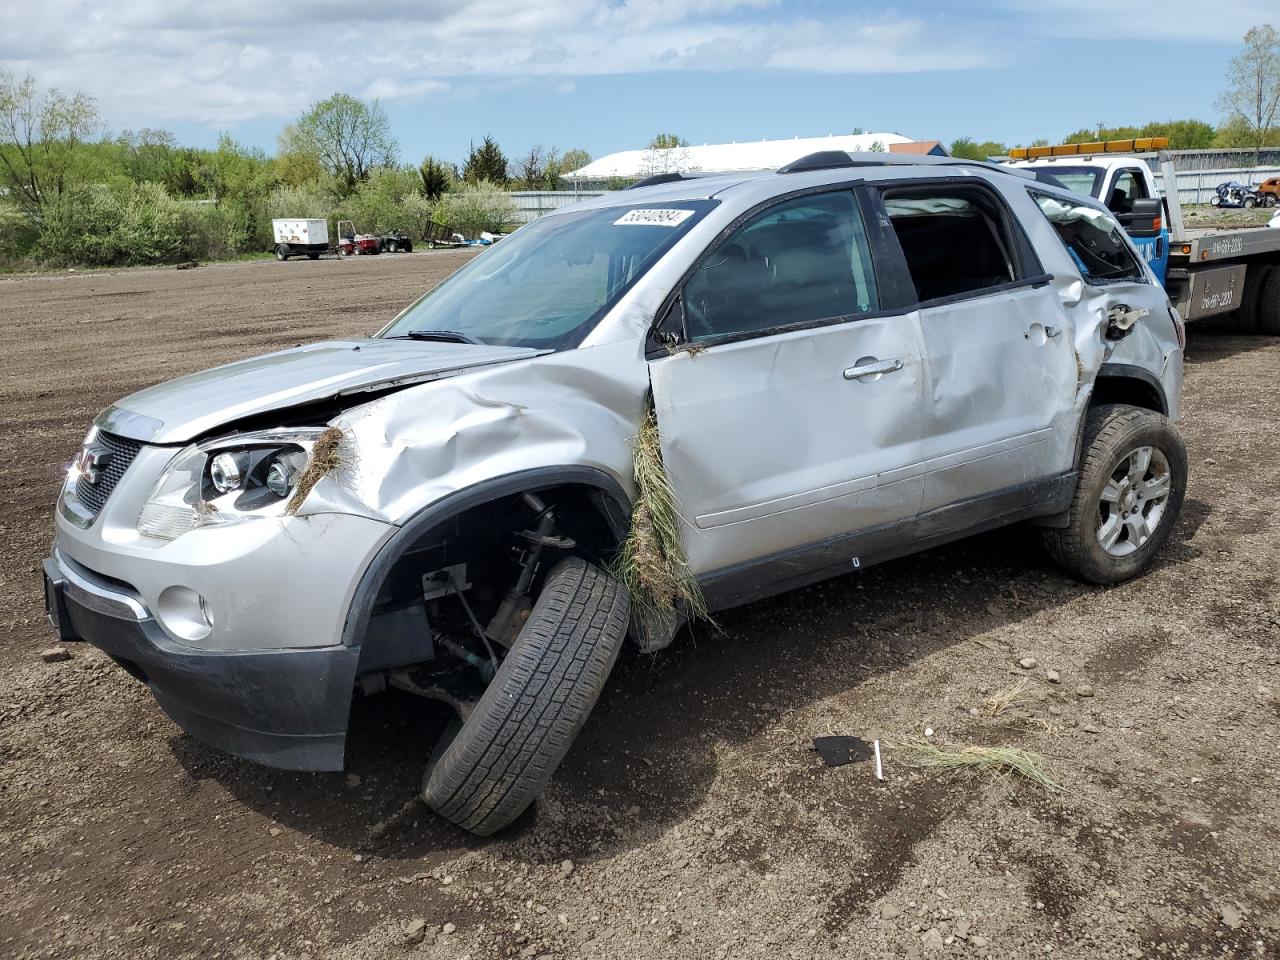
{"x": 790, "y": 439}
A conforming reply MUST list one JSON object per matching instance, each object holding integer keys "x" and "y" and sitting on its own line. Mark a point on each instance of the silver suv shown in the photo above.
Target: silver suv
{"x": 713, "y": 388}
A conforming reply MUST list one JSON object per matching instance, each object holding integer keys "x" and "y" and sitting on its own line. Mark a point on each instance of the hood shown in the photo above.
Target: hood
{"x": 181, "y": 410}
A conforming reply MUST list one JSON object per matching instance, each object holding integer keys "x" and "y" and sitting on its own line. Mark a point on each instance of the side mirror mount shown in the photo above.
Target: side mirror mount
{"x": 668, "y": 333}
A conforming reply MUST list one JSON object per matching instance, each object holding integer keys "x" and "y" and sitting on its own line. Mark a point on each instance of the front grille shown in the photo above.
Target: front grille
{"x": 119, "y": 452}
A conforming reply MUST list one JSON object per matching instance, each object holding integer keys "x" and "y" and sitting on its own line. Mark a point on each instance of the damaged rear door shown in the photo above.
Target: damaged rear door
{"x": 796, "y": 392}
{"x": 1000, "y": 367}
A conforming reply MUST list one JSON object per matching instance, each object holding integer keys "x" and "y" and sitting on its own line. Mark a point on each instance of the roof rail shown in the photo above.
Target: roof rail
{"x": 657, "y": 179}
{"x": 822, "y": 160}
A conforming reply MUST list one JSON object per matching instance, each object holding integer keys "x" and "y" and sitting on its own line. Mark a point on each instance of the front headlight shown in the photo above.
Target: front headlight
{"x": 227, "y": 480}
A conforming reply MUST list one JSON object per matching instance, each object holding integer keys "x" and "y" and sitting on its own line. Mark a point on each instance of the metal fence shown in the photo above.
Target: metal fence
{"x": 1197, "y": 186}
{"x": 534, "y": 203}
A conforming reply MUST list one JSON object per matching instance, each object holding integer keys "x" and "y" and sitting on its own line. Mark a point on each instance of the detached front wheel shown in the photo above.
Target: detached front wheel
{"x": 1133, "y": 478}
{"x": 500, "y": 759}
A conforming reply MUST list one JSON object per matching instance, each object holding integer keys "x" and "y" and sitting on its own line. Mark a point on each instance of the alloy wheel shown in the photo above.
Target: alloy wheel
{"x": 1133, "y": 501}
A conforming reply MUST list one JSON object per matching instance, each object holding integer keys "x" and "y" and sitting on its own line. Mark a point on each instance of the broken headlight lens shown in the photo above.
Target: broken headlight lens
{"x": 228, "y": 480}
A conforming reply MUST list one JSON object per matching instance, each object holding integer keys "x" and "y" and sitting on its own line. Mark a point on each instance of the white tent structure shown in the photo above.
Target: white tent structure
{"x": 726, "y": 157}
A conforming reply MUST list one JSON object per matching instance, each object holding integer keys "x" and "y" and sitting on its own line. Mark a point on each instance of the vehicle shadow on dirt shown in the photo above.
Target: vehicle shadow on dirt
{"x": 650, "y": 750}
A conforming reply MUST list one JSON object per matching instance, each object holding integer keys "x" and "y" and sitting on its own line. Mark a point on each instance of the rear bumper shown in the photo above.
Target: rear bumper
{"x": 283, "y": 708}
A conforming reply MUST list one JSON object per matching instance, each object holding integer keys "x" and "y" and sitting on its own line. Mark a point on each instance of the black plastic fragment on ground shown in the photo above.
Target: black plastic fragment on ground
{"x": 837, "y": 751}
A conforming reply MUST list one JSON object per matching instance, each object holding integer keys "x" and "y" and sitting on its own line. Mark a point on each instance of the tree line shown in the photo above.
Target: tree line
{"x": 72, "y": 194}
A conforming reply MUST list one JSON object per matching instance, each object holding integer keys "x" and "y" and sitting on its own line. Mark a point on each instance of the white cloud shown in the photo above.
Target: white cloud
{"x": 158, "y": 61}
{"x": 1224, "y": 21}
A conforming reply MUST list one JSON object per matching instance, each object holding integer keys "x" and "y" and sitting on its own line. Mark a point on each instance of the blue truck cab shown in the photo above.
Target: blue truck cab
{"x": 1128, "y": 188}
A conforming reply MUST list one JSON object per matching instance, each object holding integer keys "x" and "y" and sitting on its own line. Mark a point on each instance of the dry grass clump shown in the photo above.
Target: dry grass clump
{"x": 330, "y": 453}
{"x": 652, "y": 562}
{"x": 1002, "y": 701}
{"x": 985, "y": 761}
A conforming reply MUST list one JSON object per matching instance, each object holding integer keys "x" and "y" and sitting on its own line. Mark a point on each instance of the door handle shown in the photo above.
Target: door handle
{"x": 1052, "y": 332}
{"x": 871, "y": 367}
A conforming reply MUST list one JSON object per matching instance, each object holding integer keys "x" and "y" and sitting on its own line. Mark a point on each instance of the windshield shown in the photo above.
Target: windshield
{"x": 1085, "y": 180}
{"x": 548, "y": 284}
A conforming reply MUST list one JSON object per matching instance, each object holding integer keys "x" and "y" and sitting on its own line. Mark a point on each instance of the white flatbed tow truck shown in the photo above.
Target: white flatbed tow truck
{"x": 1207, "y": 272}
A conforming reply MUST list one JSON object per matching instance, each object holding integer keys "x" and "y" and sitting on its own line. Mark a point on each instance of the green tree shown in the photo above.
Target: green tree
{"x": 148, "y": 156}
{"x": 41, "y": 133}
{"x": 295, "y": 162}
{"x": 667, "y": 153}
{"x": 486, "y": 163}
{"x": 667, "y": 141}
{"x": 574, "y": 159}
{"x": 967, "y": 149}
{"x": 1251, "y": 101}
{"x": 438, "y": 177}
{"x": 1182, "y": 134}
{"x": 475, "y": 208}
{"x": 347, "y": 136}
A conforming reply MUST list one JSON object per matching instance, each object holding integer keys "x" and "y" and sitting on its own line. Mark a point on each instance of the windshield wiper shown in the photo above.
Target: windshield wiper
{"x": 444, "y": 336}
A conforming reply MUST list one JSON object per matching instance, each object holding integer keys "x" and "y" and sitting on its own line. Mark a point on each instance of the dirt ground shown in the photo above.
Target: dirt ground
{"x": 692, "y": 818}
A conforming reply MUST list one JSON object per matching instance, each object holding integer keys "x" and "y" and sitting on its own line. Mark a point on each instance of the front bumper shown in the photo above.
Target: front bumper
{"x": 285, "y": 708}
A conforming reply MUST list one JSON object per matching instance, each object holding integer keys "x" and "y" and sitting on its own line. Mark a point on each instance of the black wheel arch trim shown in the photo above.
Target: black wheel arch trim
{"x": 1127, "y": 371}
{"x": 1110, "y": 371}
{"x": 611, "y": 499}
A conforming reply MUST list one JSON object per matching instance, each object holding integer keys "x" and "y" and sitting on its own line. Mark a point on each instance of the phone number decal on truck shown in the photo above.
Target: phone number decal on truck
{"x": 1226, "y": 246}
{"x": 1214, "y": 291}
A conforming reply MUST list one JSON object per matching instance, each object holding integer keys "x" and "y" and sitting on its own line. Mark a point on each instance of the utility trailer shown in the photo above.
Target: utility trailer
{"x": 1206, "y": 272}
{"x": 300, "y": 237}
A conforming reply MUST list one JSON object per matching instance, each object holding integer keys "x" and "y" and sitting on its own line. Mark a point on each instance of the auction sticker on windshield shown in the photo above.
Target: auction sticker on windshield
{"x": 653, "y": 218}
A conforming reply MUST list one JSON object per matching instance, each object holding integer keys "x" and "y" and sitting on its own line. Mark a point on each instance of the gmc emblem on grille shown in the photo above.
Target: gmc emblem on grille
{"x": 91, "y": 462}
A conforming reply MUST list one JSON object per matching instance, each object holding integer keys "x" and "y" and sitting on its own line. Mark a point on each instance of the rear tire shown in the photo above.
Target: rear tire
{"x": 1249, "y": 203}
{"x": 282, "y": 252}
{"x": 1267, "y": 309}
{"x": 502, "y": 757}
{"x": 391, "y": 246}
{"x": 1118, "y": 520}
{"x": 1255, "y": 276}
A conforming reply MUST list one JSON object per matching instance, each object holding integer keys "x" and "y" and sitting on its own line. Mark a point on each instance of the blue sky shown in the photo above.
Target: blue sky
{"x": 607, "y": 74}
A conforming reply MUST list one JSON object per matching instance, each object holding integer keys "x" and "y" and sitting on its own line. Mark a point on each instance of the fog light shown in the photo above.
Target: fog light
{"x": 185, "y": 613}
{"x": 225, "y": 473}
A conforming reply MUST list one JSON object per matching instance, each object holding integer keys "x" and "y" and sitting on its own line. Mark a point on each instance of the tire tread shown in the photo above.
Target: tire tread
{"x": 533, "y": 709}
{"x": 1107, "y": 429}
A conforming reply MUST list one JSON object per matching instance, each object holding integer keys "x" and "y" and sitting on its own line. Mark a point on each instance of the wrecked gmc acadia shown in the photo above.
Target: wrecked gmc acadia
{"x": 636, "y": 411}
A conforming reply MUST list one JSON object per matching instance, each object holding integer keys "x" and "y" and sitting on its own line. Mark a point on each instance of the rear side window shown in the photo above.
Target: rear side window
{"x": 956, "y": 240}
{"x": 1093, "y": 239}
{"x": 801, "y": 261}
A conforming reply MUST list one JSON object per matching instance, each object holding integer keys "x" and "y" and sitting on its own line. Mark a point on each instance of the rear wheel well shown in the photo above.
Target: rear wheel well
{"x": 1130, "y": 390}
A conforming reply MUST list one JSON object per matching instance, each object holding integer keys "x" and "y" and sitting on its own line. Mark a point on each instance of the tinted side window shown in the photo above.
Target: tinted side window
{"x": 953, "y": 240}
{"x": 801, "y": 261}
{"x": 1093, "y": 239}
{"x": 1128, "y": 188}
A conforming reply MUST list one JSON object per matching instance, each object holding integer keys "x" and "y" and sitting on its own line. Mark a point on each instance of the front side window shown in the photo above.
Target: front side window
{"x": 953, "y": 240}
{"x": 1092, "y": 237}
{"x": 801, "y": 261}
{"x": 1128, "y": 188}
{"x": 549, "y": 283}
